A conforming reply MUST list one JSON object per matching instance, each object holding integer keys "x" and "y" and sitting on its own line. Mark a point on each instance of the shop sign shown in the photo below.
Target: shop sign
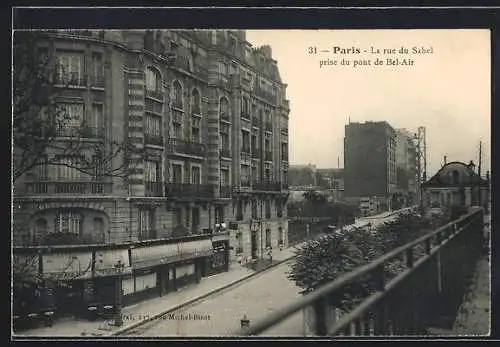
{"x": 67, "y": 266}
{"x": 148, "y": 256}
{"x": 106, "y": 261}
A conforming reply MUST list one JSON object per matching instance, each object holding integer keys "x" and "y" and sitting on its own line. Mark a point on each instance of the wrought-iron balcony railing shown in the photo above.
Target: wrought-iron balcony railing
{"x": 59, "y": 239}
{"x": 71, "y": 79}
{"x": 154, "y": 188}
{"x": 256, "y": 122}
{"x": 268, "y": 126}
{"x": 189, "y": 190}
{"x": 245, "y": 114}
{"x": 245, "y": 155}
{"x": 70, "y": 187}
{"x": 268, "y": 156}
{"x": 155, "y": 94}
{"x": 256, "y": 153}
{"x": 196, "y": 110}
{"x": 225, "y": 153}
{"x": 178, "y": 146}
{"x": 153, "y": 139}
{"x": 82, "y": 131}
{"x": 225, "y": 192}
{"x": 266, "y": 186}
{"x": 224, "y": 116}
{"x": 178, "y": 104}
{"x": 153, "y": 106}
{"x": 406, "y": 290}
{"x": 150, "y": 234}
{"x": 97, "y": 80}
{"x": 245, "y": 183}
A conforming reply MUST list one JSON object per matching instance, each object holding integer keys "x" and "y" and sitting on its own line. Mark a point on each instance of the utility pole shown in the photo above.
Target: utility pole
{"x": 421, "y": 145}
{"x": 479, "y": 173}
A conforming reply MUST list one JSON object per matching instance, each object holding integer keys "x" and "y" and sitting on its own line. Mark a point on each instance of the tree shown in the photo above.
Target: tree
{"x": 39, "y": 121}
{"x": 321, "y": 261}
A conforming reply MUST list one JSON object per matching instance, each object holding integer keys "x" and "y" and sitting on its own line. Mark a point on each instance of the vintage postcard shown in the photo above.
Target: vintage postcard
{"x": 284, "y": 183}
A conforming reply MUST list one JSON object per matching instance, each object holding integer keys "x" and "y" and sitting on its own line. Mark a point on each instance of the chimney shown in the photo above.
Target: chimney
{"x": 444, "y": 161}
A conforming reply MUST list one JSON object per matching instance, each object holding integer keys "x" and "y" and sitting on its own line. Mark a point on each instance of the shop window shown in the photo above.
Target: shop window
{"x": 268, "y": 237}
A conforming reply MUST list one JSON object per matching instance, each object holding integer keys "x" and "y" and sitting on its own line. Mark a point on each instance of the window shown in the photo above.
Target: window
{"x": 268, "y": 209}
{"x": 245, "y": 107}
{"x": 224, "y": 177}
{"x": 177, "y": 97}
{"x": 239, "y": 210}
{"x": 219, "y": 214}
{"x": 268, "y": 237}
{"x": 239, "y": 236}
{"x": 152, "y": 171}
{"x": 267, "y": 174}
{"x": 245, "y": 175}
{"x": 98, "y": 231}
{"x": 97, "y": 70}
{"x": 285, "y": 177}
{"x": 254, "y": 209}
{"x": 224, "y": 109}
{"x": 177, "y": 131}
{"x": 195, "y": 129}
{"x": 145, "y": 223}
{"x": 71, "y": 68}
{"x": 67, "y": 168}
{"x": 153, "y": 80}
{"x": 245, "y": 144}
{"x": 195, "y": 175}
{"x": 279, "y": 209}
{"x": 98, "y": 166}
{"x": 254, "y": 174}
{"x": 196, "y": 219}
{"x": 176, "y": 173}
{"x": 96, "y": 118}
{"x": 177, "y": 212}
{"x": 71, "y": 116}
{"x": 222, "y": 69}
{"x": 69, "y": 222}
{"x": 281, "y": 236}
{"x": 196, "y": 101}
{"x": 153, "y": 124}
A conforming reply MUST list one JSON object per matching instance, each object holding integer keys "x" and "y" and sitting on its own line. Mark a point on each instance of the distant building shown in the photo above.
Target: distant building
{"x": 406, "y": 162}
{"x": 455, "y": 184}
{"x": 369, "y": 159}
{"x": 302, "y": 175}
{"x": 333, "y": 181}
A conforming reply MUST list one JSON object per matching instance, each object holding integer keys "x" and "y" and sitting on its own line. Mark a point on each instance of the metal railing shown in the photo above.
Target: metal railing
{"x": 225, "y": 153}
{"x": 225, "y": 192}
{"x": 155, "y": 94}
{"x": 71, "y": 79}
{"x": 438, "y": 268}
{"x": 186, "y": 147}
{"x": 72, "y": 187}
{"x": 154, "y": 188}
{"x": 80, "y": 131}
{"x": 153, "y": 139}
{"x": 188, "y": 190}
{"x": 97, "y": 80}
{"x": 266, "y": 185}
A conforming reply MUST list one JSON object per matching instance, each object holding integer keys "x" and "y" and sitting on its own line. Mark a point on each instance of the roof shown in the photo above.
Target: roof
{"x": 465, "y": 176}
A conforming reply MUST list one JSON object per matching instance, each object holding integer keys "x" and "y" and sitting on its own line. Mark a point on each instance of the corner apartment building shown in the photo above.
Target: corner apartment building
{"x": 369, "y": 160}
{"x": 210, "y": 115}
{"x": 406, "y": 162}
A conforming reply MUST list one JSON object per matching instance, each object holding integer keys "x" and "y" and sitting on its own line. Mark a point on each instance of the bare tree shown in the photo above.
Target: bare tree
{"x": 39, "y": 122}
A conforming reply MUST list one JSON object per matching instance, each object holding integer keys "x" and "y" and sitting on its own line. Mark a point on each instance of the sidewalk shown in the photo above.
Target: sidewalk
{"x": 133, "y": 314}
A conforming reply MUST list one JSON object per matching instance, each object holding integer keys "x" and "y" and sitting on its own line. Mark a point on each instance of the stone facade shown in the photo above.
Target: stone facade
{"x": 165, "y": 92}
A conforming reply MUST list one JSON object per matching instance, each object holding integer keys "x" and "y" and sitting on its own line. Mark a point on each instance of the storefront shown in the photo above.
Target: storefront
{"x": 219, "y": 260}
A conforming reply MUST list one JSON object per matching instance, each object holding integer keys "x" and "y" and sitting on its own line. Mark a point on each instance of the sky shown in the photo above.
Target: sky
{"x": 446, "y": 91}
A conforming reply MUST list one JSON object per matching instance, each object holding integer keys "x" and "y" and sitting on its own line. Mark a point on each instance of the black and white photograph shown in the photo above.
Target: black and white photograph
{"x": 234, "y": 183}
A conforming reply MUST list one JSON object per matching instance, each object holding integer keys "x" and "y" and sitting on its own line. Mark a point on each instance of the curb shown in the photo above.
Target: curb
{"x": 200, "y": 297}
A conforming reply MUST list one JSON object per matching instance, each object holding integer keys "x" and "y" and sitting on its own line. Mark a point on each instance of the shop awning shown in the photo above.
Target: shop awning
{"x": 67, "y": 266}
{"x": 106, "y": 262}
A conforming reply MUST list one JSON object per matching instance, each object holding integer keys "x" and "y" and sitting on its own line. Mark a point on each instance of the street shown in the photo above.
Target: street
{"x": 220, "y": 315}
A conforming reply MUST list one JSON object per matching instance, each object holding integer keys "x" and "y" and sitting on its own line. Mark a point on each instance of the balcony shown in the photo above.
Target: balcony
{"x": 268, "y": 186}
{"x": 60, "y": 239}
{"x": 245, "y": 182}
{"x": 71, "y": 80}
{"x": 151, "y": 139}
{"x": 188, "y": 190}
{"x": 266, "y": 95}
{"x": 268, "y": 126}
{"x": 154, "y": 188}
{"x": 154, "y": 94}
{"x": 268, "y": 156}
{"x": 177, "y": 146}
{"x": 82, "y": 132}
{"x": 225, "y": 153}
{"x": 245, "y": 155}
{"x": 97, "y": 81}
{"x": 225, "y": 192}
{"x": 245, "y": 115}
{"x": 69, "y": 188}
{"x": 224, "y": 116}
{"x": 284, "y": 157}
{"x": 255, "y": 122}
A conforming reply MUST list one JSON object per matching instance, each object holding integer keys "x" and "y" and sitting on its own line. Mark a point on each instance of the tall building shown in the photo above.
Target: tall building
{"x": 210, "y": 115}
{"x": 406, "y": 162}
{"x": 369, "y": 160}
{"x": 303, "y": 175}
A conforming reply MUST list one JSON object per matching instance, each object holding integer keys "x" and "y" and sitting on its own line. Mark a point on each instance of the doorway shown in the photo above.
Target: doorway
{"x": 254, "y": 245}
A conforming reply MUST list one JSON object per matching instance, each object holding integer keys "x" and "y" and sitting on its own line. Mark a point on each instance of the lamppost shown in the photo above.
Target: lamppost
{"x": 118, "y": 315}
